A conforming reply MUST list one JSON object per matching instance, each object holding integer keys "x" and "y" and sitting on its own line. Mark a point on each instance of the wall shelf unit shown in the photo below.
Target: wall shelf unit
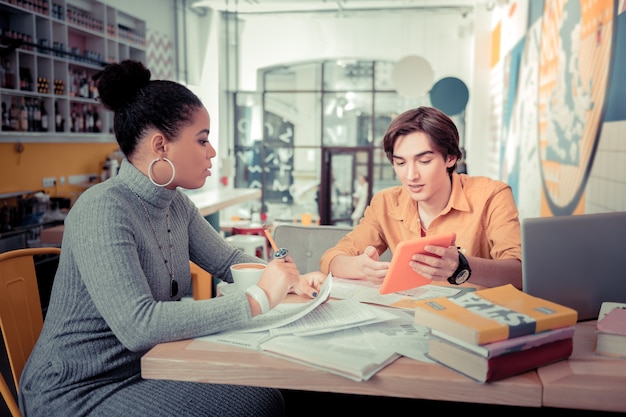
{"x": 49, "y": 52}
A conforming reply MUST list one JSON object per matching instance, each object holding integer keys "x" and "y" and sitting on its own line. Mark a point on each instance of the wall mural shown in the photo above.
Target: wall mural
{"x": 554, "y": 83}
{"x": 575, "y": 60}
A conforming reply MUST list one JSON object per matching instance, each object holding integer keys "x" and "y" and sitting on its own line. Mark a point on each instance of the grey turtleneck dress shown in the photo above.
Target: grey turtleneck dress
{"x": 111, "y": 303}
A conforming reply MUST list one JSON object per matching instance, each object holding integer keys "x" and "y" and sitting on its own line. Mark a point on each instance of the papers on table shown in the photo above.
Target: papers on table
{"x": 343, "y": 336}
{"x": 286, "y": 313}
{"x": 367, "y": 292}
{"x": 332, "y": 316}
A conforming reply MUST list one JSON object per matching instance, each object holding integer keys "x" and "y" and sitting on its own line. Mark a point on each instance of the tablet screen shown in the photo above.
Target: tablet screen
{"x": 400, "y": 276}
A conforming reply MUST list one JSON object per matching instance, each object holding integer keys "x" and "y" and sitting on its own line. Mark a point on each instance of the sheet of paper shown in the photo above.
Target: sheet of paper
{"x": 347, "y": 352}
{"x": 249, "y": 340}
{"x": 367, "y": 292}
{"x": 401, "y": 335}
{"x": 286, "y": 313}
{"x": 332, "y": 316}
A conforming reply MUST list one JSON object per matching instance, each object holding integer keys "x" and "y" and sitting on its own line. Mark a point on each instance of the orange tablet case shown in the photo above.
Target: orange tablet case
{"x": 400, "y": 276}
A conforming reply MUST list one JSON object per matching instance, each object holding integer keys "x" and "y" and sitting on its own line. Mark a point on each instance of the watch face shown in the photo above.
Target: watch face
{"x": 462, "y": 276}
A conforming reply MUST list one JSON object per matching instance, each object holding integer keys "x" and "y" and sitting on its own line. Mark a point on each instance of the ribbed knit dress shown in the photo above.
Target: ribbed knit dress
{"x": 111, "y": 303}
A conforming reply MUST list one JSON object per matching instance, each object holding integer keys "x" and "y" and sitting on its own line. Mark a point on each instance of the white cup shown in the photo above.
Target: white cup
{"x": 246, "y": 274}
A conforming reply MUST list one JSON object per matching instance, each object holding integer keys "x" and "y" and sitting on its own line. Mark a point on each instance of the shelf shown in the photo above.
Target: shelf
{"x": 53, "y": 137}
{"x": 50, "y": 52}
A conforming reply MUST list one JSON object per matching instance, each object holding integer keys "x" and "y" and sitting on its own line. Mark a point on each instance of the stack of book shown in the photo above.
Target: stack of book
{"x": 495, "y": 333}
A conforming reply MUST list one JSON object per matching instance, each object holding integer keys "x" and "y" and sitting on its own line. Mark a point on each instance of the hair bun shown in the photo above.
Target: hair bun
{"x": 119, "y": 83}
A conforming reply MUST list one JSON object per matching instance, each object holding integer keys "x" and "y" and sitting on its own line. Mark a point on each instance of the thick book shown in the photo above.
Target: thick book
{"x": 611, "y": 332}
{"x": 483, "y": 369}
{"x": 503, "y": 347}
{"x": 493, "y": 314}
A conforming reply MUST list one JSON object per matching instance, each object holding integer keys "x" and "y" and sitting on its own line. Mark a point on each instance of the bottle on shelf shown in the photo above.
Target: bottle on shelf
{"x": 3, "y": 75}
{"x": 36, "y": 106}
{"x": 23, "y": 116}
{"x": 44, "y": 116}
{"x": 59, "y": 122}
{"x": 97, "y": 121}
{"x": 14, "y": 115}
{"x": 89, "y": 121}
{"x": 6, "y": 122}
{"x": 9, "y": 75}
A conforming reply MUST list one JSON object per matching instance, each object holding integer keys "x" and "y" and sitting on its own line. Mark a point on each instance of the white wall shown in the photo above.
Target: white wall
{"x": 444, "y": 38}
{"x": 267, "y": 41}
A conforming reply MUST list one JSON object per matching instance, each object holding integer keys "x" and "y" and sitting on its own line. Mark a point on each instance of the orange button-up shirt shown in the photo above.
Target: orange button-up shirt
{"x": 481, "y": 211}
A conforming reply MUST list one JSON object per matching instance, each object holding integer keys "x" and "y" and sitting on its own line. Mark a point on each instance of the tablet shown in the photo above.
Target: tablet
{"x": 400, "y": 276}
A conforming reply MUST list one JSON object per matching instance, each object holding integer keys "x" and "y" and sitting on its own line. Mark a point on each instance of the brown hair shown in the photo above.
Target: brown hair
{"x": 441, "y": 130}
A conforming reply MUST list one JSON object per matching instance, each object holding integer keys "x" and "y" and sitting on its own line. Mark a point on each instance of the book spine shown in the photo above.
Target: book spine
{"x": 517, "y": 362}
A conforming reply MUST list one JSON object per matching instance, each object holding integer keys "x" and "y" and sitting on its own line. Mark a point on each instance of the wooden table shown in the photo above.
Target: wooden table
{"x": 202, "y": 361}
{"x": 585, "y": 381}
{"x": 212, "y": 201}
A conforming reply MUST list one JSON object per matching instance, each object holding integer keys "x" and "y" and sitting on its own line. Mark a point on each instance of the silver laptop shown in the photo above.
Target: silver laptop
{"x": 578, "y": 260}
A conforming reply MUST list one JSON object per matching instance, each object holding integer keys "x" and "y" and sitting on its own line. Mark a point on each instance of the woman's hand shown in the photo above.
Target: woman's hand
{"x": 280, "y": 277}
{"x": 310, "y": 284}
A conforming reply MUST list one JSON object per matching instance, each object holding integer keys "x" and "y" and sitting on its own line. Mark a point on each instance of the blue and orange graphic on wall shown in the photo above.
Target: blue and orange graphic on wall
{"x": 574, "y": 70}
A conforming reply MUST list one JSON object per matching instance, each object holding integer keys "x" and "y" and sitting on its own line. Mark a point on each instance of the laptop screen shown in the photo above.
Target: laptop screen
{"x": 578, "y": 260}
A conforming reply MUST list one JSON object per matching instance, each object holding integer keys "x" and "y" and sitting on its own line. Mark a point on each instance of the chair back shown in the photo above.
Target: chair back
{"x": 21, "y": 317}
{"x": 307, "y": 244}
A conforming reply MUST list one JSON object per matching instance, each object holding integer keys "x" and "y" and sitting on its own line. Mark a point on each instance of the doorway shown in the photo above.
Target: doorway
{"x": 341, "y": 169}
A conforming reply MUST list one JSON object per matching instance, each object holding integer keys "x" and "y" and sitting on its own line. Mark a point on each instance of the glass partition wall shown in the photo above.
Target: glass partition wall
{"x": 310, "y": 132}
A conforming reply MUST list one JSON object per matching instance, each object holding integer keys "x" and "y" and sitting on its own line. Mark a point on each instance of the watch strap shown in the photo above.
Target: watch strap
{"x": 260, "y": 297}
{"x": 462, "y": 269}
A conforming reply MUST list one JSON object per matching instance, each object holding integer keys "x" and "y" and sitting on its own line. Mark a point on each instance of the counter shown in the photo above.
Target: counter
{"x": 212, "y": 201}
{"x": 208, "y": 202}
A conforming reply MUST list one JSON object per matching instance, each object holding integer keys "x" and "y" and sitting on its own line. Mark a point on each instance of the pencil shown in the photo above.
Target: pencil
{"x": 270, "y": 238}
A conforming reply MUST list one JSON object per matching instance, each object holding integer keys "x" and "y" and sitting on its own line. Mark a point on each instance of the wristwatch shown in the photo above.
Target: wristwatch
{"x": 462, "y": 273}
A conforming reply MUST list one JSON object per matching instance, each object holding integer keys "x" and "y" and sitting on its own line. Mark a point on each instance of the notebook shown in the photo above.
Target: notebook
{"x": 577, "y": 260}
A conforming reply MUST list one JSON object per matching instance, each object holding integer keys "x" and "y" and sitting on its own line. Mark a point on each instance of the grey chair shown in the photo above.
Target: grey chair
{"x": 307, "y": 244}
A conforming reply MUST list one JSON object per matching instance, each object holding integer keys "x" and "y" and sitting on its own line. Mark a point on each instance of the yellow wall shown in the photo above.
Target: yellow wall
{"x": 25, "y": 171}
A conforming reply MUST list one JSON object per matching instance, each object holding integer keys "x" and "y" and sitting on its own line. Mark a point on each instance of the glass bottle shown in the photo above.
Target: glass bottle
{"x": 23, "y": 116}
{"x": 44, "y": 116}
{"x": 59, "y": 124}
{"x": 9, "y": 76}
{"x": 14, "y": 115}
{"x": 5, "y": 117}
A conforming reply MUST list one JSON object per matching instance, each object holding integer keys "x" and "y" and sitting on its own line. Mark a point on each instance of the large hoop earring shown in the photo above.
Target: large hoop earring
{"x": 154, "y": 161}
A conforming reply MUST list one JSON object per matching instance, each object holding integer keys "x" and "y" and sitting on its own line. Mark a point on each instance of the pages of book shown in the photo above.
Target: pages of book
{"x": 502, "y": 347}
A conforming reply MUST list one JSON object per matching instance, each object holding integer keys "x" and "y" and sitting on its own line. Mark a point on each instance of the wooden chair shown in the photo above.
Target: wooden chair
{"x": 201, "y": 283}
{"x": 21, "y": 317}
